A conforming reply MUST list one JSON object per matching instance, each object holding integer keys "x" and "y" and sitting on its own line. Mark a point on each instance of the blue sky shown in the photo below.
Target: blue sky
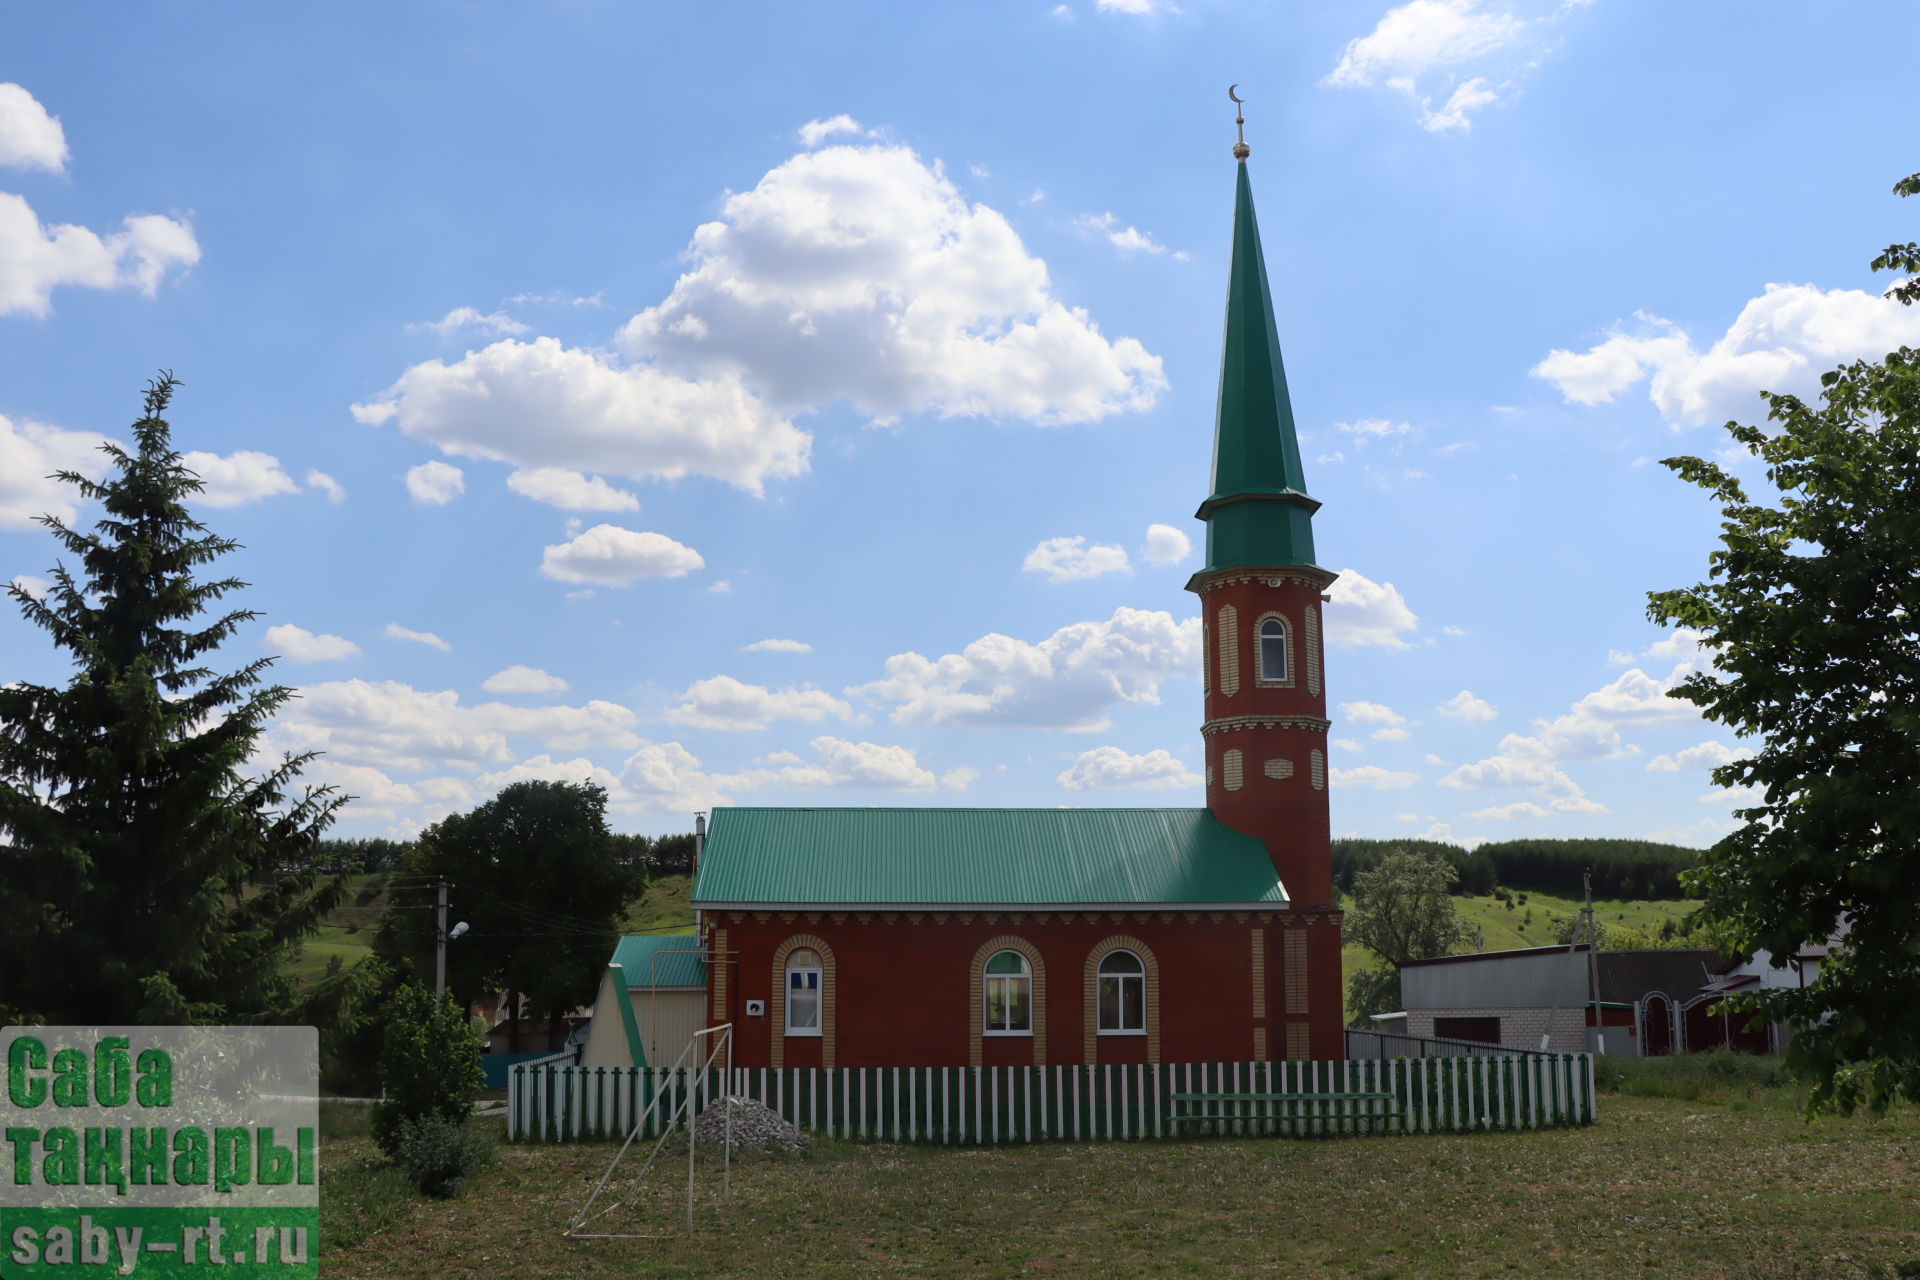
{"x": 754, "y": 405}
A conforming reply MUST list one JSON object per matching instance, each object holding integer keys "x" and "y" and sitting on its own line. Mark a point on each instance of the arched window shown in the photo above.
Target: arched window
{"x": 803, "y": 992}
{"x": 1123, "y": 995}
{"x": 1273, "y": 649}
{"x": 1008, "y": 995}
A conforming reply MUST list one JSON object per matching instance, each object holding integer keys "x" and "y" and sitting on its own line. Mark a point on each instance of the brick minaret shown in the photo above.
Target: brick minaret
{"x": 1260, "y": 601}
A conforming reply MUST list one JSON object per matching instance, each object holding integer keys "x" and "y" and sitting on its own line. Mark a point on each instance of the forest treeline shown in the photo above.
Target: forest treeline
{"x": 1643, "y": 869}
{"x": 659, "y": 855}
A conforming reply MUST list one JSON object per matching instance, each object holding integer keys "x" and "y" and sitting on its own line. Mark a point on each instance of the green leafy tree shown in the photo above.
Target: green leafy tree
{"x": 1811, "y": 609}
{"x": 542, "y": 886}
{"x": 143, "y": 853}
{"x": 1402, "y": 910}
{"x": 429, "y": 1065}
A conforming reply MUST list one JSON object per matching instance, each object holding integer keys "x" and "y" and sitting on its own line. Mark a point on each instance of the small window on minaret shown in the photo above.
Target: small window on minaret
{"x": 1273, "y": 650}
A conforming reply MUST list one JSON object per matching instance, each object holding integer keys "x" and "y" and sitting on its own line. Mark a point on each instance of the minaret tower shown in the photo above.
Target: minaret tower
{"x": 1260, "y": 601}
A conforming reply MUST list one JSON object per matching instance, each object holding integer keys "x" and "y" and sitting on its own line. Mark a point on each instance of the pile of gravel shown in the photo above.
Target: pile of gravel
{"x": 754, "y": 1125}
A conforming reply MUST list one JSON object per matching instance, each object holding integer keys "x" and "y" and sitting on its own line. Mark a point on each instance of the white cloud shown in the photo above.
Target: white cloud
{"x": 1071, "y": 559}
{"x": 30, "y": 138}
{"x": 1468, "y": 96}
{"x": 1072, "y": 680}
{"x": 523, "y": 679}
{"x": 1349, "y": 744}
{"x": 1465, "y": 706}
{"x": 397, "y": 632}
{"x": 1706, "y": 755}
{"x": 36, "y": 260}
{"x": 1166, "y": 545}
{"x": 1137, "y": 8}
{"x": 544, "y": 768}
{"x": 328, "y": 485}
{"x": 35, "y": 586}
{"x": 839, "y": 763}
{"x": 1528, "y": 809}
{"x": 1110, "y": 768}
{"x": 1128, "y": 239}
{"x": 614, "y": 557}
{"x": 496, "y": 324}
{"x": 435, "y": 484}
{"x": 959, "y": 779}
{"x": 1391, "y": 734}
{"x": 540, "y": 404}
{"x": 30, "y": 452}
{"x": 570, "y": 491}
{"x": 665, "y": 775}
{"x": 1371, "y": 713}
{"x": 1422, "y": 36}
{"x": 815, "y": 132}
{"x": 1373, "y": 777}
{"x": 239, "y": 478}
{"x": 1364, "y": 612}
{"x": 722, "y": 702}
{"x": 777, "y": 646}
{"x": 1782, "y": 341}
{"x": 1373, "y": 429}
{"x": 301, "y": 645}
{"x": 860, "y": 273}
{"x": 720, "y": 588}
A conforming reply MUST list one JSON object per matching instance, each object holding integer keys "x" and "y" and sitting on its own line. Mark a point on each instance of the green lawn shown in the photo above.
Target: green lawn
{"x": 1732, "y": 1184}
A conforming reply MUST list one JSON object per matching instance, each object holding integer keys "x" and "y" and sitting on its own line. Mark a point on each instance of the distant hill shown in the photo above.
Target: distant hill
{"x": 1630, "y": 869}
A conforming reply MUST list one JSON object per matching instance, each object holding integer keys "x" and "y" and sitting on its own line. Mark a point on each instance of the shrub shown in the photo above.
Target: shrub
{"x": 429, "y": 1065}
{"x": 439, "y": 1155}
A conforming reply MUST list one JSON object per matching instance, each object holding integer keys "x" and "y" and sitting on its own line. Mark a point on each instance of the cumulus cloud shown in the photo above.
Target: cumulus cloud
{"x": 523, "y": 679}
{"x": 1468, "y": 96}
{"x": 1166, "y": 545}
{"x": 1072, "y": 680}
{"x": 1071, "y": 559}
{"x": 861, "y": 273}
{"x": 239, "y": 478}
{"x": 1127, "y": 239}
{"x": 815, "y": 132}
{"x": 328, "y": 485}
{"x": 1371, "y": 713}
{"x": 496, "y": 324}
{"x": 1362, "y": 612}
{"x": 1465, "y": 706}
{"x": 300, "y": 645}
{"x": 722, "y": 702}
{"x": 1782, "y": 341}
{"x": 35, "y": 586}
{"x": 1110, "y": 768}
{"x": 397, "y": 632}
{"x": 665, "y": 775}
{"x": 777, "y": 646}
{"x": 1706, "y": 755}
{"x": 35, "y": 260}
{"x": 866, "y": 766}
{"x": 1372, "y": 777}
{"x": 570, "y": 491}
{"x": 434, "y": 484}
{"x": 30, "y": 452}
{"x": 610, "y": 556}
{"x": 959, "y": 779}
{"x": 1528, "y": 809}
{"x": 30, "y": 137}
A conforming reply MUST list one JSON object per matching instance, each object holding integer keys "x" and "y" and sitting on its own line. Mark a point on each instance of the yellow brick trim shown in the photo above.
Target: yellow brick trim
{"x": 719, "y": 971}
{"x": 829, "y": 996}
{"x": 1297, "y": 1041}
{"x": 1259, "y": 1044}
{"x": 1150, "y": 963}
{"x": 1313, "y": 649}
{"x": 976, "y": 995}
{"x": 1233, "y": 769}
{"x": 1286, "y": 638}
{"x": 1259, "y": 973}
{"x": 1317, "y": 765}
{"x": 1229, "y": 638}
{"x": 1278, "y": 768}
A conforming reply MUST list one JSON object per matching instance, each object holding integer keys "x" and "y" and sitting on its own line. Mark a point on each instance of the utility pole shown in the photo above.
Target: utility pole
{"x": 1593, "y": 964}
{"x": 440, "y": 944}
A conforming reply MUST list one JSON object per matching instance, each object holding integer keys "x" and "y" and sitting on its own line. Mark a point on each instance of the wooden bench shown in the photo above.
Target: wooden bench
{"x": 1254, "y": 1108}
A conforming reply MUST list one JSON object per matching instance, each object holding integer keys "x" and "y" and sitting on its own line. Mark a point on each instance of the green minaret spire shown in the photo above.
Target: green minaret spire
{"x": 1260, "y": 513}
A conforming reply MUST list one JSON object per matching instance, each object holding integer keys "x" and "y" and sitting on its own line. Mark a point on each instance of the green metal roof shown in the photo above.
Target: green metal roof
{"x": 1259, "y": 513}
{"x": 981, "y": 857}
{"x": 652, "y": 960}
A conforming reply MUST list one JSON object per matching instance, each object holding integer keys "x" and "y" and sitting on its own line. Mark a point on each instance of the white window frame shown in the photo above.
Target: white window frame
{"x": 986, "y": 992}
{"x": 819, "y": 996}
{"x": 1260, "y": 651}
{"x": 1100, "y": 978}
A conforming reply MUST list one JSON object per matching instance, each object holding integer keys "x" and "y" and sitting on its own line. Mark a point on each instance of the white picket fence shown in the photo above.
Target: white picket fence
{"x": 560, "y": 1103}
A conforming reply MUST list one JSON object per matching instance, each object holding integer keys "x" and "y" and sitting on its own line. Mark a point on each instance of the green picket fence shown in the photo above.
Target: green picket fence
{"x": 558, "y": 1102}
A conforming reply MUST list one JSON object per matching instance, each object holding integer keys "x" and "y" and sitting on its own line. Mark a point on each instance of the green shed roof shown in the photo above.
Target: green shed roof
{"x": 652, "y": 960}
{"x": 981, "y": 857}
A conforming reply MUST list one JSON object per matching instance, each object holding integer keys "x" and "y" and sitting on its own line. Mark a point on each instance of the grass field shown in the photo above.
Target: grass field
{"x": 1728, "y": 1184}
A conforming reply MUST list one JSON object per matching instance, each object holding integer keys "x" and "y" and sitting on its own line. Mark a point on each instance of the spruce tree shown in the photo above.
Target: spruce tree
{"x": 152, "y": 869}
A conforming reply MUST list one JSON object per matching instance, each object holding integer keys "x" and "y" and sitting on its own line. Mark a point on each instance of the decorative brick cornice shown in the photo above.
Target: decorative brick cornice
{"x": 1306, "y": 575}
{"x": 1233, "y": 724}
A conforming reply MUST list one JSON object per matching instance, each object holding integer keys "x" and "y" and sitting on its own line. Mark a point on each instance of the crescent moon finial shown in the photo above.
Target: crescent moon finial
{"x": 1240, "y": 148}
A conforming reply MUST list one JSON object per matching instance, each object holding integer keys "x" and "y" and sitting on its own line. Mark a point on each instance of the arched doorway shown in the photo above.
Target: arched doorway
{"x": 1656, "y": 1027}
